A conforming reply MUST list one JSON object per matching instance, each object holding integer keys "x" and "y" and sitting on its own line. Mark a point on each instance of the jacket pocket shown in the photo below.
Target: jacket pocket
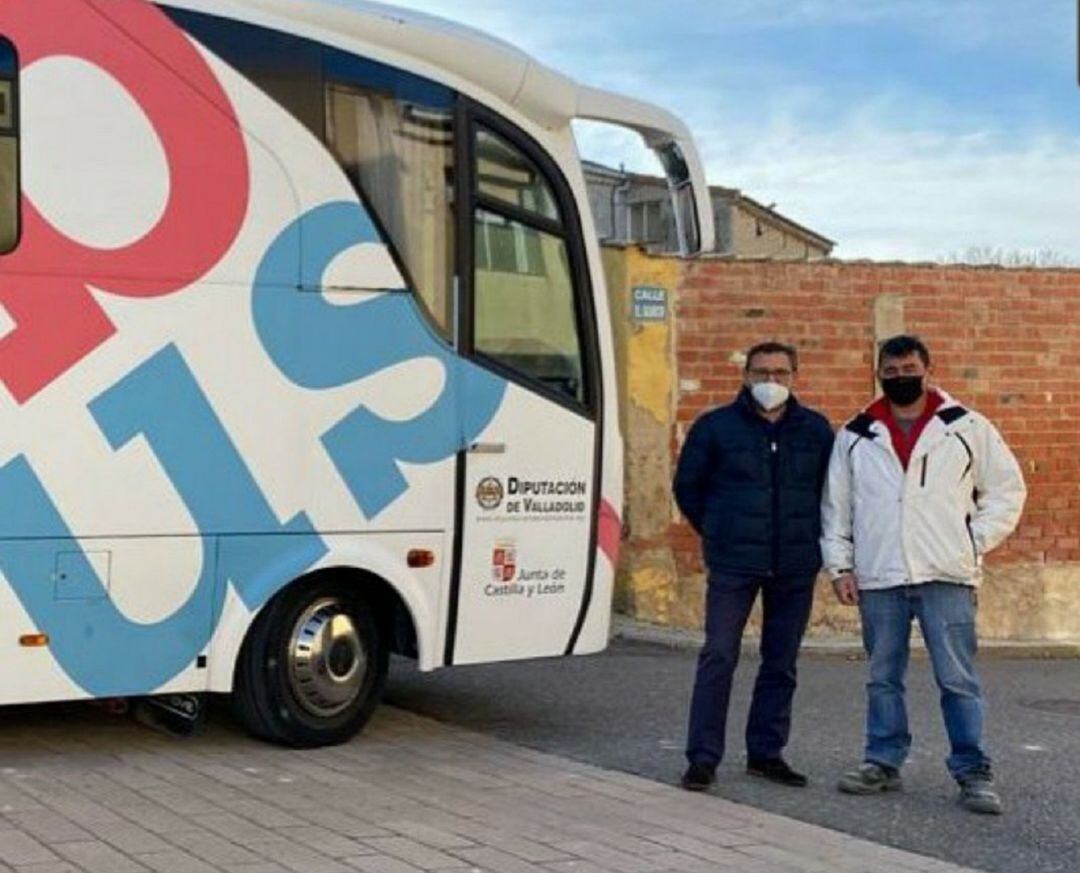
{"x": 942, "y": 547}
{"x": 971, "y": 538}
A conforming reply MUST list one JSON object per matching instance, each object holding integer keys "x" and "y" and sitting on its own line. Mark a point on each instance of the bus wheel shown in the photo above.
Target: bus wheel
{"x": 312, "y": 668}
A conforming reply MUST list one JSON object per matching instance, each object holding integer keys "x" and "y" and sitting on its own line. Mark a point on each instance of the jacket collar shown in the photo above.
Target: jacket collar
{"x": 881, "y": 410}
{"x": 949, "y": 417}
{"x": 946, "y": 419}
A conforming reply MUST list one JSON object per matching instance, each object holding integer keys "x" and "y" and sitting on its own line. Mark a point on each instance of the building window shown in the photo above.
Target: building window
{"x": 9, "y": 147}
{"x": 505, "y": 246}
{"x": 506, "y": 175}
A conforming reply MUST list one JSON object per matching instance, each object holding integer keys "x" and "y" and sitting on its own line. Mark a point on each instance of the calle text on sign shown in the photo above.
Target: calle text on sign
{"x": 649, "y": 303}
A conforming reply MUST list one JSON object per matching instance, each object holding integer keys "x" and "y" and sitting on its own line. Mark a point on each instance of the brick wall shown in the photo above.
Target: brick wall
{"x": 1006, "y": 342}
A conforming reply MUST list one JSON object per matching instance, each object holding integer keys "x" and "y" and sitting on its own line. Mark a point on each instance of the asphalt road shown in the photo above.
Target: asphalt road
{"x": 626, "y": 709}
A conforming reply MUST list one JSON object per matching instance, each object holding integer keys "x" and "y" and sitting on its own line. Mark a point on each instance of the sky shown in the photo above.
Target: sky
{"x": 901, "y": 129}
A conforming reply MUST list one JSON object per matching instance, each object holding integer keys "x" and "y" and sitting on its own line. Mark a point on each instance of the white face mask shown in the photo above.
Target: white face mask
{"x": 770, "y": 395}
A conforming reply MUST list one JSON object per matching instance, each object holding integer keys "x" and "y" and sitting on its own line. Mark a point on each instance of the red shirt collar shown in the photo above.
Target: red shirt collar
{"x": 904, "y": 444}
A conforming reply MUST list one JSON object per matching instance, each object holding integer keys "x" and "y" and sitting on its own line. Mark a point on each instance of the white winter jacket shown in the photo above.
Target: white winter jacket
{"x": 960, "y": 497}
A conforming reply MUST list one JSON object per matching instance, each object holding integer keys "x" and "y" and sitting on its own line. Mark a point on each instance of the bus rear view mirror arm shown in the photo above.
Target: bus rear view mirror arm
{"x": 670, "y": 139}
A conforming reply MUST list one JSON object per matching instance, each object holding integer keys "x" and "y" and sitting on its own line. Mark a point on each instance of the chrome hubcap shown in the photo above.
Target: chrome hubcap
{"x": 327, "y": 663}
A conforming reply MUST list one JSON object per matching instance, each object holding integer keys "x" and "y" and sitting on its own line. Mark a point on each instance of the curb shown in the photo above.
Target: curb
{"x": 626, "y": 629}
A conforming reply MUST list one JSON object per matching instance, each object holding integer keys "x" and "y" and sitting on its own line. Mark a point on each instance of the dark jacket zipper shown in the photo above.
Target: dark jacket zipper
{"x": 774, "y": 446}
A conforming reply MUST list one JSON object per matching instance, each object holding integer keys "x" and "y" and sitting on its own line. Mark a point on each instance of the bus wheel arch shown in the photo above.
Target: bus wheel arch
{"x": 313, "y": 663}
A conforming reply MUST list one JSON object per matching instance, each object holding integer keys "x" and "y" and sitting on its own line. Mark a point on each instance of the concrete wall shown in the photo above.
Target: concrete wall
{"x": 1007, "y": 342}
{"x": 756, "y": 237}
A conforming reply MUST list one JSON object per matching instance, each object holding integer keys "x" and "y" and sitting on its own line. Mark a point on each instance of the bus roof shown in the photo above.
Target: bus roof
{"x": 544, "y": 95}
{"x": 540, "y": 93}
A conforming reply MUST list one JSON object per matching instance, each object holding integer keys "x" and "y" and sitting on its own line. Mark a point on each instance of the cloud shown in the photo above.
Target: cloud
{"x": 888, "y": 163}
{"x": 911, "y": 195}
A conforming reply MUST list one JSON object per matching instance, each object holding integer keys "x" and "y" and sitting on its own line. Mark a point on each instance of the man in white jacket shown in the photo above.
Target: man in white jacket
{"x": 919, "y": 489}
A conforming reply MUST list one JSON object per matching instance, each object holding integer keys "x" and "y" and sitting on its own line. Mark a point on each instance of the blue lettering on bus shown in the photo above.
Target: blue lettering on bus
{"x": 319, "y": 345}
{"x": 103, "y": 651}
{"x": 162, "y": 400}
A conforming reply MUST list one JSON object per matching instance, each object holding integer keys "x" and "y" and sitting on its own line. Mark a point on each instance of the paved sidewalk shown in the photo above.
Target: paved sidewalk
{"x": 851, "y": 648}
{"x": 83, "y": 791}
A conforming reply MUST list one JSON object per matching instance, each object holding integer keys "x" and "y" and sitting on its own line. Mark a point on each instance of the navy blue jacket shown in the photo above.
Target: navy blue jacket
{"x": 753, "y": 490}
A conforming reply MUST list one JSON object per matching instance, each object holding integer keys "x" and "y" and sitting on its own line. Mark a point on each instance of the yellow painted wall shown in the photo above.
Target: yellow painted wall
{"x": 647, "y": 584}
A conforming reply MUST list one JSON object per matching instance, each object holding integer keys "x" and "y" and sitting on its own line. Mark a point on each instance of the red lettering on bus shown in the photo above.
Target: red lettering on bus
{"x": 45, "y": 284}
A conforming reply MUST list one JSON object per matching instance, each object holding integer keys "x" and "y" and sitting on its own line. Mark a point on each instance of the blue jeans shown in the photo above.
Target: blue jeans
{"x": 946, "y": 616}
{"x": 786, "y": 606}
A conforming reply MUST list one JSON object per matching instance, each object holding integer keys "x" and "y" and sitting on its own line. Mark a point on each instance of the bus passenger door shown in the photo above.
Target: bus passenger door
{"x": 527, "y": 485}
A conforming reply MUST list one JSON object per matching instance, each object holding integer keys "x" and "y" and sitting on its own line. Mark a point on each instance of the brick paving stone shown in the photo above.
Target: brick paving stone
{"x": 412, "y": 852}
{"x": 690, "y": 864}
{"x": 784, "y": 856}
{"x": 177, "y": 800}
{"x": 467, "y": 776}
{"x": 176, "y": 861}
{"x": 212, "y": 848}
{"x": 17, "y": 848}
{"x": 14, "y": 800}
{"x": 83, "y": 810}
{"x": 694, "y": 846}
{"x": 382, "y": 864}
{"x": 134, "y": 778}
{"x": 613, "y": 859}
{"x": 157, "y": 819}
{"x": 265, "y": 814}
{"x": 235, "y": 828}
{"x": 483, "y": 833}
{"x": 47, "y": 867}
{"x": 128, "y": 838}
{"x": 261, "y": 867}
{"x": 326, "y": 841}
{"x": 226, "y": 775}
{"x": 493, "y": 859}
{"x": 526, "y": 850}
{"x": 348, "y": 825}
{"x": 300, "y": 858}
{"x": 95, "y": 856}
{"x": 624, "y": 842}
{"x": 575, "y": 867}
{"x": 47, "y": 826}
{"x": 429, "y": 836}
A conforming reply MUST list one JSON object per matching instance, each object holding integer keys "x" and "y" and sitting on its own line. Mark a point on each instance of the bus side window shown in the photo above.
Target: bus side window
{"x": 9, "y": 147}
{"x": 526, "y": 311}
{"x": 393, "y": 133}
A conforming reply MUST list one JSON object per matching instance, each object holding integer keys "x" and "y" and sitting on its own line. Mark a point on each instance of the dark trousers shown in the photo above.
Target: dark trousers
{"x": 786, "y": 606}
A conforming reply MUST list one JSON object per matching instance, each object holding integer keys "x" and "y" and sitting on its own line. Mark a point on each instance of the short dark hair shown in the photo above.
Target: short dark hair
{"x": 773, "y": 348}
{"x": 903, "y": 345}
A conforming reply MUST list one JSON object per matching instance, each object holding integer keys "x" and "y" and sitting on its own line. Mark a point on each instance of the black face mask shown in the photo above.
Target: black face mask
{"x": 903, "y": 390}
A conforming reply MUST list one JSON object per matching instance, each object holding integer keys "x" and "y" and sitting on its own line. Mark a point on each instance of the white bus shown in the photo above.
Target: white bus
{"x": 305, "y": 352}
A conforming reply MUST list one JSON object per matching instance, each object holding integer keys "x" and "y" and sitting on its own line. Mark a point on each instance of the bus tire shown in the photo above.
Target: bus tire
{"x": 312, "y": 668}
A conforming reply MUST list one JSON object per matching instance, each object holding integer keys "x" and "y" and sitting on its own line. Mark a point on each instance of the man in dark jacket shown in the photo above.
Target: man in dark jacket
{"x": 749, "y": 480}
